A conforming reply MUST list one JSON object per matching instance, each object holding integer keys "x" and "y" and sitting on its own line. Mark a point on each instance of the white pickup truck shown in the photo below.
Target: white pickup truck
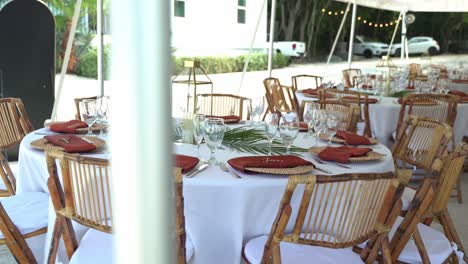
{"x": 290, "y": 48}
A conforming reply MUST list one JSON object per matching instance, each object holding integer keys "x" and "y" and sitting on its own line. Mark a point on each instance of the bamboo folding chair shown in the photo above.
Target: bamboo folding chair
{"x": 452, "y": 166}
{"x": 360, "y": 100}
{"x": 350, "y": 77}
{"x": 440, "y": 107}
{"x": 14, "y": 125}
{"x": 335, "y": 213}
{"x": 77, "y": 105}
{"x": 223, "y": 105}
{"x": 347, "y": 113}
{"x": 421, "y": 141}
{"x": 280, "y": 98}
{"x": 184, "y": 246}
{"x": 306, "y": 81}
{"x": 85, "y": 198}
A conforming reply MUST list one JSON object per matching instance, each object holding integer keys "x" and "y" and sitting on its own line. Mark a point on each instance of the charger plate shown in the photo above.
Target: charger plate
{"x": 42, "y": 143}
{"x": 83, "y": 130}
{"x": 371, "y": 156}
{"x": 324, "y": 137}
{"x": 283, "y": 171}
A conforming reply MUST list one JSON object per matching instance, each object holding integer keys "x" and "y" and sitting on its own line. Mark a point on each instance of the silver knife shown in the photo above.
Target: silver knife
{"x": 323, "y": 170}
{"x": 193, "y": 173}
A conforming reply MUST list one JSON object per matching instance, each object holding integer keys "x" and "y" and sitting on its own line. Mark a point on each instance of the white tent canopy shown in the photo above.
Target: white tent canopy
{"x": 414, "y": 5}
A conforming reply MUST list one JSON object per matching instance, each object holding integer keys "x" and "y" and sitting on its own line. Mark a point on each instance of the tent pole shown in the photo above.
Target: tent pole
{"x": 351, "y": 36}
{"x": 100, "y": 51}
{"x": 247, "y": 60}
{"x": 393, "y": 36}
{"x": 403, "y": 35}
{"x": 66, "y": 58}
{"x": 338, "y": 34}
{"x": 272, "y": 35}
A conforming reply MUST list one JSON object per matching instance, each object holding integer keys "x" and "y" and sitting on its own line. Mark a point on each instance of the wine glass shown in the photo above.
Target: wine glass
{"x": 317, "y": 120}
{"x": 213, "y": 133}
{"x": 198, "y": 132}
{"x": 271, "y": 127}
{"x": 88, "y": 109}
{"x": 256, "y": 108}
{"x": 308, "y": 117}
{"x": 102, "y": 112}
{"x": 289, "y": 128}
{"x": 331, "y": 125}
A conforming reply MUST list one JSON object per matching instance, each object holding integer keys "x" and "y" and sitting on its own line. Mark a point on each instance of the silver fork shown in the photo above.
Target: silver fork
{"x": 224, "y": 168}
{"x": 337, "y": 164}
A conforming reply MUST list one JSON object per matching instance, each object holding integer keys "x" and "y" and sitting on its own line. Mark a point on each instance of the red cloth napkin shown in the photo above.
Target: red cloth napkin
{"x": 71, "y": 143}
{"x": 342, "y": 154}
{"x": 459, "y": 93}
{"x": 303, "y": 126}
{"x": 410, "y": 87}
{"x": 400, "y": 100}
{"x": 228, "y": 119}
{"x": 311, "y": 91}
{"x": 460, "y": 81}
{"x": 363, "y": 100}
{"x": 68, "y": 127}
{"x": 287, "y": 161}
{"x": 186, "y": 163}
{"x": 352, "y": 139}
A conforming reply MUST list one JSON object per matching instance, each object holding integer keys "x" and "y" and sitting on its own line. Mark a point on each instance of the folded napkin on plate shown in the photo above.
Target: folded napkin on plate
{"x": 227, "y": 119}
{"x": 342, "y": 154}
{"x": 410, "y": 87}
{"x": 311, "y": 91}
{"x": 460, "y": 81}
{"x": 352, "y": 139}
{"x": 186, "y": 163}
{"x": 459, "y": 93}
{"x": 71, "y": 143}
{"x": 363, "y": 100}
{"x": 303, "y": 126}
{"x": 287, "y": 161}
{"x": 68, "y": 127}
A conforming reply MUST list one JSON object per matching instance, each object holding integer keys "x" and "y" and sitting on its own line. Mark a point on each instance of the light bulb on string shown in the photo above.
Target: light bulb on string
{"x": 323, "y": 10}
{"x": 359, "y": 18}
{"x": 370, "y": 24}
{"x": 329, "y": 13}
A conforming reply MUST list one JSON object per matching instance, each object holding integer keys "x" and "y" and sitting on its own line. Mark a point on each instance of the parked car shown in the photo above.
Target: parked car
{"x": 290, "y": 48}
{"x": 418, "y": 45}
{"x": 367, "y": 48}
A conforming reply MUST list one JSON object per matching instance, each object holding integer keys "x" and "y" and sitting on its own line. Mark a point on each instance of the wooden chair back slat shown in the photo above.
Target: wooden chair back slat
{"x": 350, "y": 77}
{"x": 14, "y": 122}
{"x": 348, "y": 114}
{"x": 223, "y": 105}
{"x": 421, "y": 141}
{"x": 306, "y": 81}
{"x": 77, "y": 105}
{"x": 335, "y": 211}
{"x": 280, "y": 98}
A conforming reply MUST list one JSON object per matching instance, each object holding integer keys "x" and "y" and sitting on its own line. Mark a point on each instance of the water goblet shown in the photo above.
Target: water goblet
{"x": 213, "y": 133}
{"x": 198, "y": 132}
{"x": 308, "y": 117}
{"x": 88, "y": 109}
{"x": 331, "y": 125}
{"x": 271, "y": 127}
{"x": 102, "y": 112}
{"x": 289, "y": 128}
{"x": 256, "y": 108}
{"x": 317, "y": 120}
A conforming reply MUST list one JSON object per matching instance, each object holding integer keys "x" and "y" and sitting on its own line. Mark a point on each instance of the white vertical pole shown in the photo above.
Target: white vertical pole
{"x": 351, "y": 36}
{"x": 339, "y": 33}
{"x": 100, "y": 51}
{"x": 393, "y": 36}
{"x": 403, "y": 35}
{"x": 141, "y": 154}
{"x": 272, "y": 36}
{"x": 66, "y": 58}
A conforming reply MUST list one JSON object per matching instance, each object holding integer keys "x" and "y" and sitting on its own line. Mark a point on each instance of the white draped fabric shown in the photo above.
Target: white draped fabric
{"x": 222, "y": 213}
{"x": 384, "y": 118}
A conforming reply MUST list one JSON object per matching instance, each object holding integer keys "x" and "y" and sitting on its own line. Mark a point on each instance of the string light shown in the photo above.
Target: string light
{"x": 323, "y": 10}
{"x": 342, "y": 12}
{"x": 359, "y": 18}
{"x": 365, "y": 21}
{"x": 370, "y": 24}
{"x": 336, "y": 13}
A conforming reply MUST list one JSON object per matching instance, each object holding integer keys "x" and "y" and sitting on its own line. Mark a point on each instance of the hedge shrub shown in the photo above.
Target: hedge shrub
{"x": 258, "y": 62}
{"x": 87, "y": 64}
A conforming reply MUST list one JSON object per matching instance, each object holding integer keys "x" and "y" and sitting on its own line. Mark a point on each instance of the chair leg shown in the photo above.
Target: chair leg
{"x": 420, "y": 245}
{"x": 56, "y": 234}
{"x": 450, "y": 231}
{"x": 459, "y": 191}
{"x": 387, "y": 256}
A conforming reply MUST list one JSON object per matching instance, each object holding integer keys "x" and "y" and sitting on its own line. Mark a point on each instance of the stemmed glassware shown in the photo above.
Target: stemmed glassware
{"x": 89, "y": 109}
{"x": 317, "y": 120}
{"x": 213, "y": 133}
{"x": 331, "y": 125}
{"x": 102, "y": 112}
{"x": 198, "y": 132}
{"x": 271, "y": 127}
{"x": 288, "y": 128}
{"x": 256, "y": 109}
{"x": 309, "y": 117}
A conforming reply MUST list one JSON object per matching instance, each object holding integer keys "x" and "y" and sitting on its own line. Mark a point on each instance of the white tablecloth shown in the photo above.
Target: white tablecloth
{"x": 32, "y": 176}
{"x": 384, "y": 118}
{"x": 221, "y": 212}
{"x": 459, "y": 86}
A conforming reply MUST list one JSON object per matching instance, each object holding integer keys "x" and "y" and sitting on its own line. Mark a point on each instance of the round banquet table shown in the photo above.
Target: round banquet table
{"x": 32, "y": 176}
{"x": 384, "y": 118}
{"x": 222, "y": 212}
{"x": 459, "y": 85}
